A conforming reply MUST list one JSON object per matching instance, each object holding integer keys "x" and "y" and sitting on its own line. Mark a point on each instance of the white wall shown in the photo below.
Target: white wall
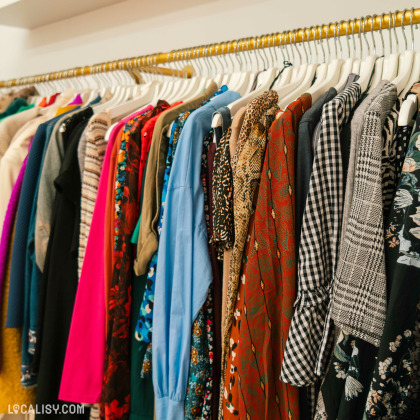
{"x": 137, "y": 27}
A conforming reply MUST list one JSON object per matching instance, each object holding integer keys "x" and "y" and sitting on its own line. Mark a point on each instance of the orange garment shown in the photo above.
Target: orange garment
{"x": 43, "y": 103}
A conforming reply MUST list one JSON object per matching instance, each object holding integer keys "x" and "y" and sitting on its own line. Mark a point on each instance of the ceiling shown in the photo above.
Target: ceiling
{"x": 31, "y": 14}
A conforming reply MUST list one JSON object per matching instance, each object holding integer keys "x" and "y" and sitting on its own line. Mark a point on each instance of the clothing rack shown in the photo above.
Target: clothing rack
{"x": 148, "y": 63}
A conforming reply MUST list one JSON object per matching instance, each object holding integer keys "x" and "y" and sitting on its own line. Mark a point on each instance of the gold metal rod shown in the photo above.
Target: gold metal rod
{"x": 143, "y": 63}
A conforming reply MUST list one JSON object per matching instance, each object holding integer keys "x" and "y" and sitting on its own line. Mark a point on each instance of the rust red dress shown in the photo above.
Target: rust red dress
{"x": 267, "y": 289}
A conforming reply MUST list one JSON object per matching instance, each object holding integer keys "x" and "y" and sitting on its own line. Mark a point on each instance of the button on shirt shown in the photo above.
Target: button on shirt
{"x": 184, "y": 270}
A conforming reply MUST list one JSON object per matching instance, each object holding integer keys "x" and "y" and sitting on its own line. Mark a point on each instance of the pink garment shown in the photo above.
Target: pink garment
{"x": 83, "y": 370}
{"x": 9, "y": 220}
{"x": 77, "y": 100}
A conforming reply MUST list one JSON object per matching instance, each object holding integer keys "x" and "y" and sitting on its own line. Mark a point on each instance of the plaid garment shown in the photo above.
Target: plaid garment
{"x": 318, "y": 249}
{"x": 359, "y": 297}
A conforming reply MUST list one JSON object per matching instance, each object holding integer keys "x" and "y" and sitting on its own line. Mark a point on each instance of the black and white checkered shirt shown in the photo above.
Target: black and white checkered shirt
{"x": 320, "y": 238}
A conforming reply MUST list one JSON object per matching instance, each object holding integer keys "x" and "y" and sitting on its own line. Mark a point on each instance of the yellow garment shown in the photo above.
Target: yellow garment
{"x": 11, "y": 392}
{"x": 65, "y": 109}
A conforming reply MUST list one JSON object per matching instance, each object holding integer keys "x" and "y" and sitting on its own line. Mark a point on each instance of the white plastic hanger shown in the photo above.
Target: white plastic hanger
{"x": 406, "y": 61}
{"x": 240, "y": 85}
{"x": 131, "y": 106}
{"x": 348, "y": 63}
{"x": 264, "y": 82}
{"x": 367, "y": 66}
{"x": 408, "y": 110}
{"x": 391, "y": 61}
{"x": 379, "y": 65}
{"x": 300, "y": 72}
{"x": 309, "y": 75}
{"x": 322, "y": 68}
{"x": 287, "y": 66}
{"x": 411, "y": 105}
{"x": 332, "y": 78}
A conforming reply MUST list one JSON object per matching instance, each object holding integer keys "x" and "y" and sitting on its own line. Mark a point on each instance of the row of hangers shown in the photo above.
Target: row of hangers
{"x": 296, "y": 73}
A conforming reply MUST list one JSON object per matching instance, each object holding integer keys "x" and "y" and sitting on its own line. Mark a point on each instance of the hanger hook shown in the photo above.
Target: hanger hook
{"x": 230, "y": 57}
{"x": 241, "y": 67}
{"x": 203, "y": 49}
{"x": 193, "y": 71}
{"x": 335, "y": 39}
{"x": 281, "y": 47}
{"x": 303, "y": 44}
{"x": 394, "y": 27}
{"x": 198, "y": 60}
{"x": 364, "y": 32}
{"x": 217, "y": 56}
{"x": 360, "y": 36}
{"x": 289, "y": 33}
{"x": 271, "y": 39}
{"x": 412, "y": 30}
{"x": 276, "y": 59}
{"x": 321, "y": 43}
{"x": 353, "y": 25}
{"x": 249, "y": 54}
{"x": 348, "y": 36}
{"x": 257, "y": 53}
{"x": 243, "y": 54}
{"x": 389, "y": 32}
{"x": 309, "y": 44}
{"x": 342, "y": 22}
{"x": 212, "y": 60}
{"x": 327, "y": 38}
{"x": 403, "y": 29}
{"x": 264, "y": 51}
{"x": 297, "y": 49}
{"x": 238, "y": 57}
{"x": 381, "y": 33}
{"x": 372, "y": 21}
{"x": 208, "y": 60}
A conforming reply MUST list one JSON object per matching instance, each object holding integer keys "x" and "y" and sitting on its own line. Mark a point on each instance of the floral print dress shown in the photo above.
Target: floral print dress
{"x": 198, "y": 398}
{"x": 392, "y": 379}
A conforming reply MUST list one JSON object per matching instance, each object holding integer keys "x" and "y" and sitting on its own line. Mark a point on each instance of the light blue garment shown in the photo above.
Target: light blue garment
{"x": 184, "y": 270}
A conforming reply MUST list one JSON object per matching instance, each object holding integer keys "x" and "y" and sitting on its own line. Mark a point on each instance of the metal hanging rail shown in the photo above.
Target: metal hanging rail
{"x": 148, "y": 63}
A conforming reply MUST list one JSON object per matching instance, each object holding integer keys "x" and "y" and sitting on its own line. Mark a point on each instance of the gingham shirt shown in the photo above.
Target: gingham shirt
{"x": 319, "y": 244}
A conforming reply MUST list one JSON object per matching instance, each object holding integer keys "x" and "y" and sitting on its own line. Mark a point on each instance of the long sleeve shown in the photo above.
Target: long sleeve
{"x": 184, "y": 269}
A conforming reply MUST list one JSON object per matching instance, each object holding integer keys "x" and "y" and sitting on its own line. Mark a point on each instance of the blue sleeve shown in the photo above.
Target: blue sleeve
{"x": 182, "y": 280}
{"x": 184, "y": 271}
{"x": 183, "y": 256}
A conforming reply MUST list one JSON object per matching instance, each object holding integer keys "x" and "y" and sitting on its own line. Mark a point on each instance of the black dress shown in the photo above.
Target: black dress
{"x": 60, "y": 277}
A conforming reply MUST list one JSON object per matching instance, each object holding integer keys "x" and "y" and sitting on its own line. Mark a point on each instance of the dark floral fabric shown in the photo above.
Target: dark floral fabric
{"x": 223, "y": 228}
{"x": 145, "y": 322}
{"x": 115, "y": 397}
{"x": 413, "y": 403}
{"x": 346, "y": 385}
{"x": 392, "y": 378}
{"x": 199, "y": 389}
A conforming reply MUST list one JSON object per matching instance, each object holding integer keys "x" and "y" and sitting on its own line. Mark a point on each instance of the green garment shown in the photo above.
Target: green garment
{"x": 14, "y": 108}
{"x": 142, "y": 395}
